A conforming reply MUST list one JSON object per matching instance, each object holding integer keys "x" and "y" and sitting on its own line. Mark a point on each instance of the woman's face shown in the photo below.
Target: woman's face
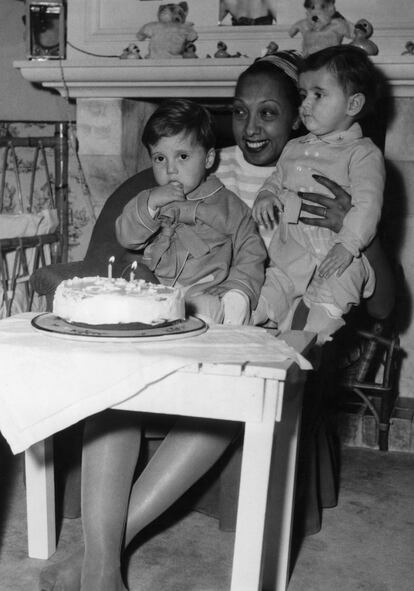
{"x": 263, "y": 119}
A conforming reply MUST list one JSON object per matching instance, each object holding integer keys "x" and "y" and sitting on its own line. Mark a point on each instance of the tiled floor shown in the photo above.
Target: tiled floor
{"x": 366, "y": 542}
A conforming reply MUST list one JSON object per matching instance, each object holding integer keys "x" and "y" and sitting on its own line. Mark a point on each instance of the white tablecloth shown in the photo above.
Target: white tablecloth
{"x": 49, "y": 383}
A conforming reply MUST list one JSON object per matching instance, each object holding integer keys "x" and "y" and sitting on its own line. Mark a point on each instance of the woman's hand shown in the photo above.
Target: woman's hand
{"x": 332, "y": 211}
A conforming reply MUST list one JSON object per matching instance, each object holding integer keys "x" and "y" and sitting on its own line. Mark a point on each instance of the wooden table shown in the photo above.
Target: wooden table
{"x": 267, "y": 398}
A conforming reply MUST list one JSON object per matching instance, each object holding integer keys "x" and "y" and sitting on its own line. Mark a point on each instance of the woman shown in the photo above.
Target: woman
{"x": 114, "y": 513}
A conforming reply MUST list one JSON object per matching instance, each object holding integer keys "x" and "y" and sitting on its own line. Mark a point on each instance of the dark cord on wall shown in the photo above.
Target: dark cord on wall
{"x": 88, "y": 52}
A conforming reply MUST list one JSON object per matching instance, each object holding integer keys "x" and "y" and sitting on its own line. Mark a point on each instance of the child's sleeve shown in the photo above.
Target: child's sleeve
{"x": 273, "y": 183}
{"x": 135, "y": 226}
{"x": 249, "y": 253}
{"x": 367, "y": 174}
{"x": 291, "y": 202}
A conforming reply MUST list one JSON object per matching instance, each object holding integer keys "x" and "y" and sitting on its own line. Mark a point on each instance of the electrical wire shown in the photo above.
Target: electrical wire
{"x": 88, "y": 52}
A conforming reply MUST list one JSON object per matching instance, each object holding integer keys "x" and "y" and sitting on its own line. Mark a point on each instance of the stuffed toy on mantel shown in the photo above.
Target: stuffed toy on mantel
{"x": 169, "y": 36}
{"x": 322, "y": 27}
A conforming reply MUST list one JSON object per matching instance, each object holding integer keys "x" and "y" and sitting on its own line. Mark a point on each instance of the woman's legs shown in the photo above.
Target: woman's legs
{"x": 189, "y": 450}
{"x": 110, "y": 452}
{"x": 111, "y": 448}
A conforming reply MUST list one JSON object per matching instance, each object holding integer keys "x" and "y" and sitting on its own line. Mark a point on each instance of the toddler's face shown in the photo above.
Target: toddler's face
{"x": 180, "y": 158}
{"x": 325, "y": 105}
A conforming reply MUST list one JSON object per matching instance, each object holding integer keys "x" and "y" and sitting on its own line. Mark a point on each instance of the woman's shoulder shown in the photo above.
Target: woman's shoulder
{"x": 226, "y": 154}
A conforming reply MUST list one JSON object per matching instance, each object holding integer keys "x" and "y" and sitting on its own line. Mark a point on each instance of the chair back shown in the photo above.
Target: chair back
{"x": 33, "y": 211}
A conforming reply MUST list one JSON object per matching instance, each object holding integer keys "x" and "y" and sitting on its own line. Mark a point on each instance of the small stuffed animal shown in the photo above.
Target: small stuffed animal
{"x": 322, "y": 27}
{"x": 362, "y": 33}
{"x": 131, "y": 52}
{"x": 409, "y": 48}
{"x": 271, "y": 49}
{"x": 190, "y": 51}
{"x": 169, "y": 35}
{"x": 222, "y": 51}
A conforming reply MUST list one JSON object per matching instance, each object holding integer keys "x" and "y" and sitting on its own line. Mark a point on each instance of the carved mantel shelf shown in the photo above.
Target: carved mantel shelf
{"x": 203, "y": 78}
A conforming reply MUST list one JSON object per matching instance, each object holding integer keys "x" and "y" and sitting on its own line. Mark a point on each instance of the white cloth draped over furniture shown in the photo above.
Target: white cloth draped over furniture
{"x": 35, "y": 402}
{"x": 33, "y": 211}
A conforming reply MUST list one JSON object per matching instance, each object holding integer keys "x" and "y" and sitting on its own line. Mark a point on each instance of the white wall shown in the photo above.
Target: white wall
{"x": 20, "y": 100}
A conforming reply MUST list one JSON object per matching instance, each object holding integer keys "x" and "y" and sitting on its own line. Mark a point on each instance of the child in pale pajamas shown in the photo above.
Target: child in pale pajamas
{"x": 338, "y": 85}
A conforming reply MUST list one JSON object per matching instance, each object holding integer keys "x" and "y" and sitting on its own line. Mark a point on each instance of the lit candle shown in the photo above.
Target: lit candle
{"x": 132, "y": 274}
{"x": 111, "y": 260}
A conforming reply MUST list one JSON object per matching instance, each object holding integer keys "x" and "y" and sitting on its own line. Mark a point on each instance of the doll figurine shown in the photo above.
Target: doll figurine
{"x": 248, "y": 12}
{"x": 409, "y": 48}
{"x": 362, "y": 33}
{"x": 271, "y": 48}
{"x": 222, "y": 51}
{"x": 190, "y": 51}
{"x": 322, "y": 27}
{"x": 169, "y": 35}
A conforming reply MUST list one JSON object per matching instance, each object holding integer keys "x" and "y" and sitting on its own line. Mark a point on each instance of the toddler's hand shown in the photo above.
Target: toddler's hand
{"x": 263, "y": 210}
{"x": 337, "y": 260}
{"x": 165, "y": 194}
{"x": 236, "y": 307}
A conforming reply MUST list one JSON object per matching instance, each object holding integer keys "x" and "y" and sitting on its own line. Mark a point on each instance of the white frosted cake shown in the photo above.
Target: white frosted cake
{"x": 99, "y": 300}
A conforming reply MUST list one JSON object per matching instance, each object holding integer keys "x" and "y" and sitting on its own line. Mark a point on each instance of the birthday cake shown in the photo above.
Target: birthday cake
{"x": 102, "y": 301}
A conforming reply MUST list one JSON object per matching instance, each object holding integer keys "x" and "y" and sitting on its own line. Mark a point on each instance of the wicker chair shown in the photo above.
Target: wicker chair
{"x": 30, "y": 240}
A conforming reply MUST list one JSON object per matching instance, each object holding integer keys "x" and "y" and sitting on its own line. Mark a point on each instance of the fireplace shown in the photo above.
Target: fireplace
{"x": 114, "y": 98}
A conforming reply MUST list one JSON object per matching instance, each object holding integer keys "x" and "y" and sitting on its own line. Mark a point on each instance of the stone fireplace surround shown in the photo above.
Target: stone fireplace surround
{"x": 115, "y": 97}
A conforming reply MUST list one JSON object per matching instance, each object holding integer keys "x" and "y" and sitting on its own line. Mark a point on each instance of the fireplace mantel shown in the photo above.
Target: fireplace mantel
{"x": 206, "y": 78}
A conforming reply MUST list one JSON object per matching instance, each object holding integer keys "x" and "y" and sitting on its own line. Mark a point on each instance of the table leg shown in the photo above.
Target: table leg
{"x": 279, "y": 515}
{"x": 40, "y": 499}
{"x": 254, "y": 481}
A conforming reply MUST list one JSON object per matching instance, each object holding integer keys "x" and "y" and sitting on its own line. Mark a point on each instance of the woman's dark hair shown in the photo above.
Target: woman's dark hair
{"x": 273, "y": 72}
{"x": 180, "y": 115}
{"x": 353, "y": 69}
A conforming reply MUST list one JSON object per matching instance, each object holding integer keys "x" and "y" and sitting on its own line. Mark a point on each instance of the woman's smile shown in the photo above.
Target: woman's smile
{"x": 255, "y": 145}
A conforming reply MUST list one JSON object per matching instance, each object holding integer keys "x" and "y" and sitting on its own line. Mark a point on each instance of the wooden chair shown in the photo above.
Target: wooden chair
{"x": 370, "y": 370}
{"x": 30, "y": 239}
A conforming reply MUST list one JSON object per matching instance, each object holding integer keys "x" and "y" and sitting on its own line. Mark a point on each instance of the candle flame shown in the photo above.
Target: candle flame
{"x": 111, "y": 259}
{"x": 134, "y": 266}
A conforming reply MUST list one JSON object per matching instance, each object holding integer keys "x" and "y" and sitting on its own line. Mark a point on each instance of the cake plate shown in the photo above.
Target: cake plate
{"x": 57, "y": 327}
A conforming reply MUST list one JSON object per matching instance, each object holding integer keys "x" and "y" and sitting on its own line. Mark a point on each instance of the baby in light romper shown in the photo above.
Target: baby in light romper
{"x": 329, "y": 271}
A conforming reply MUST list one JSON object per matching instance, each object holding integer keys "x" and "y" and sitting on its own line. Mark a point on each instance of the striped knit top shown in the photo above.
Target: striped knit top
{"x": 243, "y": 178}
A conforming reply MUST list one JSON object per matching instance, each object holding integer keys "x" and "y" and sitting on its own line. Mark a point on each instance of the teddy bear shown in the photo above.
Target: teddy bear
{"x": 168, "y": 36}
{"x": 322, "y": 27}
{"x": 362, "y": 32}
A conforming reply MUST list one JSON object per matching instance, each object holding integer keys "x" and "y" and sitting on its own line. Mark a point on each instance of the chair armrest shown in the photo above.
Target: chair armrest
{"x": 45, "y": 280}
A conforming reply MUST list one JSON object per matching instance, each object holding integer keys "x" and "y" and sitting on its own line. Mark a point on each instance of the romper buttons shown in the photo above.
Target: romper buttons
{"x": 316, "y": 154}
{"x": 299, "y": 168}
{"x": 306, "y": 152}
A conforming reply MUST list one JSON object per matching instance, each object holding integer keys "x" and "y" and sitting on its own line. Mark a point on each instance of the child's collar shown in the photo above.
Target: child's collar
{"x": 336, "y": 137}
{"x": 207, "y": 188}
